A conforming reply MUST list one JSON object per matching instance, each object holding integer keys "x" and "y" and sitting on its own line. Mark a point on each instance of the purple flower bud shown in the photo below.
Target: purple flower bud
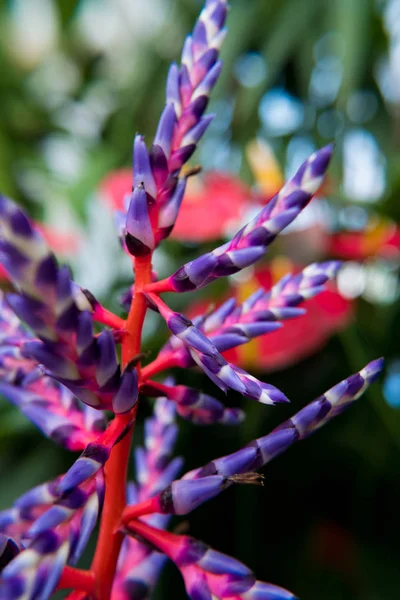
{"x": 183, "y": 496}
{"x": 172, "y": 91}
{"x": 209, "y": 81}
{"x": 88, "y": 464}
{"x": 218, "y": 474}
{"x": 180, "y": 157}
{"x": 194, "y": 134}
{"x": 58, "y": 365}
{"x": 202, "y": 69}
{"x": 267, "y": 591}
{"x": 127, "y": 394}
{"x": 221, "y": 564}
{"x": 169, "y": 212}
{"x": 142, "y": 169}
{"x": 107, "y": 363}
{"x": 139, "y": 235}
{"x": 250, "y": 243}
{"x": 165, "y": 129}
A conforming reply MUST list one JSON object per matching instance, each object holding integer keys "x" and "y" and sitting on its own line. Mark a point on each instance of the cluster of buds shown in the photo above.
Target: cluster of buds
{"x": 68, "y": 380}
{"x": 158, "y": 188}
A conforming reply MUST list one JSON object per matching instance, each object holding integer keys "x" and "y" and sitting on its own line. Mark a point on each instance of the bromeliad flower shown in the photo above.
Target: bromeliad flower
{"x": 75, "y": 369}
{"x": 208, "y": 573}
{"x": 62, "y": 243}
{"x": 51, "y": 536}
{"x": 200, "y": 485}
{"x": 49, "y": 405}
{"x": 251, "y": 242}
{"x": 50, "y": 303}
{"x": 280, "y": 346}
{"x": 219, "y": 194}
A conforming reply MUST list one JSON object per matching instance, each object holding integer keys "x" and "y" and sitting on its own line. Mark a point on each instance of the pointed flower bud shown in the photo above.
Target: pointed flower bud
{"x": 225, "y": 375}
{"x": 181, "y": 126}
{"x": 195, "y": 406}
{"x": 208, "y": 573}
{"x": 251, "y": 242}
{"x": 165, "y": 130}
{"x": 59, "y": 535}
{"x": 139, "y": 237}
{"x": 198, "y": 486}
{"x": 141, "y": 167}
{"x": 95, "y": 455}
{"x": 234, "y": 324}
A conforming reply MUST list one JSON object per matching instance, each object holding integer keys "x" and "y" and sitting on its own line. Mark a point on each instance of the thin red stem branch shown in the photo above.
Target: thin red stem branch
{"x": 110, "y": 538}
{"x": 77, "y": 579}
{"x": 134, "y": 322}
{"x": 115, "y": 430}
{"x": 158, "y": 287}
{"x": 147, "y": 507}
{"x": 161, "y": 363}
{"x": 106, "y": 317}
{"x": 163, "y": 540}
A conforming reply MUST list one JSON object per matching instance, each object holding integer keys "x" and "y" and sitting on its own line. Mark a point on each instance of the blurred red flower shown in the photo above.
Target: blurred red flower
{"x": 381, "y": 237}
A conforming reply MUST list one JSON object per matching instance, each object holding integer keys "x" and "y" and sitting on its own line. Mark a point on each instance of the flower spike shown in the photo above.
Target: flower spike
{"x": 233, "y": 324}
{"x": 139, "y": 237}
{"x": 49, "y": 405}
{"x": 251, "y": 242}
{"x": 64, "y": 372}
{"x": 57, "y": 536}
{"x": 225, "y": 375}
{"x": 206, "y": 572}
{"x": 67, "y": 346}
{"x": 56, "y": 412}
{"x": 158, "y": 188}
{"x": 195, "y": 406}
{"x": 197, "y": 486}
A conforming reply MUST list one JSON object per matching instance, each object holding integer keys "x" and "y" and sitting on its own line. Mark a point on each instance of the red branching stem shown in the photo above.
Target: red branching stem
{"x": 77, "y": 579}
{"x": 134, "y": 323}
{"x": 163, "y": 540}
{"x": 161, "y": 363}
{"x": 156, "y": 300}
{"x": 147, "y": 507}
{"x": 110, "y": 538}
{"x": 115, "y": 430}
{"x": 158, "y": 287}
{"x": 106, "y": 317}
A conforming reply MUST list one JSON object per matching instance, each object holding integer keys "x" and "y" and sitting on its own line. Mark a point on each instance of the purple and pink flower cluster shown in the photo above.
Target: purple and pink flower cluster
{"x": 60, "y": 365}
